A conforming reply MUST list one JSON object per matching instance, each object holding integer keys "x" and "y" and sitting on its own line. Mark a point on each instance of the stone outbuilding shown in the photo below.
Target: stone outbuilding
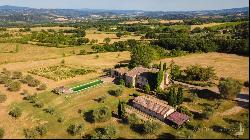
{"x": 138, "y": 76}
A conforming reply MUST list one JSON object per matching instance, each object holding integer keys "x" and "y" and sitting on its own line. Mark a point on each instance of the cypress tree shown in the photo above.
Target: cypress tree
{"x": 164, "y": 66}
{"x": 160, "y": 68}
{"x": 172, "y": 97}
{"x": 121, "y": 110}
{"x": 179, "y": 96}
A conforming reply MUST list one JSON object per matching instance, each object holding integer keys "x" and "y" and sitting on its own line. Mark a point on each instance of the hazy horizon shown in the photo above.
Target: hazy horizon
{"x": 146, "y": 5}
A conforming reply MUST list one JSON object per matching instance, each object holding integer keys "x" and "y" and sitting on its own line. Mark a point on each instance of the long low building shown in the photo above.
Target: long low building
{"x": 153, "y": 107}
{"x": 159, "y": 109}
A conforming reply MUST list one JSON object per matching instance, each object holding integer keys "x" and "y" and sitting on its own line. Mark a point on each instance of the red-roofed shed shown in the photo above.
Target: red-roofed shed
{"x": 178, "y": 118}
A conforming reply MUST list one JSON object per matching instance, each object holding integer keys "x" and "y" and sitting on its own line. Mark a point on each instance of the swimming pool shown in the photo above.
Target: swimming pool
{"x": 87, "y": 86}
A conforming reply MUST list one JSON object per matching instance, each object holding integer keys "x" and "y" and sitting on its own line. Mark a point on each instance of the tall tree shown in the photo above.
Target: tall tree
{"x": 179, "y": 96}
{"x": 164, "y": 66}
{"x": 160, "y": 66}
{"x": 142, "y": 55}
{"x": 172, "y": 97}
{"x": 121, "y": 110}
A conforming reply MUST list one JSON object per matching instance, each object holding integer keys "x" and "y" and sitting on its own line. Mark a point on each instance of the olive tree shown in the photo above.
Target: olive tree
{"x": 229, "y": 88}
{"x": 74, "y": 129}
{"x": 101, "y": 114}
{"x": 15, "y": 112}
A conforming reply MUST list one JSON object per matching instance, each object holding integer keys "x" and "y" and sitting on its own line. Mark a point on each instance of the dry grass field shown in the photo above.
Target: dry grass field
{"x": 225, "y": 65}
{"x": 28, "y": 52}
{"x": 100, "y": 36}
{"x": 205, "y": 25}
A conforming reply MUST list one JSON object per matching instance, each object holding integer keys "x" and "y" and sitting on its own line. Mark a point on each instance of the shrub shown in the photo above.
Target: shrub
{"x": 74, "y": 129}
{"x": 17, "y": 75}
{"x": 107, "y": 132}
{"x": 193, "y": 127}
{"x": 63, "y": 62}
{"x": 27, "y": 79}
{"x": 136, "y": 94}
{"x": 6, "y": 72}
{"x": 3, "y": 98}
{"x": 207, "y": 112}
{"x": 30, "y": 133}
{"x": 42, "y": 87}
{"x": 82, "y": 52}
{"x": 117, "y": 92}
{"x": 60, "y": 119}
{"x": 41, "y": 130}
{"x": 31, "y": 98}
{"x": 101, "y": 114}
{"x": 1, "y": 133}
{"x": 39, "y": 104}
{"x": 5, "y": 79}
{"x": 50, "y": 110}
{"x": 129, "y": 85}
{"x": 229, "y": 88}
{"x": 101, "y": 99}
{"x": 121, "y": 82}
{"x": 133, "y": 119}
{"x": 15, "y": 112}
{"x": 14, "y": 86}
{"x": 150, "y": 127}
{"x": 33, "y": 83}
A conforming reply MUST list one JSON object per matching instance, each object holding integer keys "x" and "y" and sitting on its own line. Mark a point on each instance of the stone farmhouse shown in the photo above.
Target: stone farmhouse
{"x": 159, "y": 109}
{"x": 138, "y": 77}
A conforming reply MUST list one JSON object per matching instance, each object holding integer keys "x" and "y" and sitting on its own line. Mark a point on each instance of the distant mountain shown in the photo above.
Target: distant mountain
{"x": 15, "y": 13}
{"x": 7, "y": 7}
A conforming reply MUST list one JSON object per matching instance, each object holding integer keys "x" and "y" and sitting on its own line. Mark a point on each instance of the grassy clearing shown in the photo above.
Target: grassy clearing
{"x": 225, "y": 65}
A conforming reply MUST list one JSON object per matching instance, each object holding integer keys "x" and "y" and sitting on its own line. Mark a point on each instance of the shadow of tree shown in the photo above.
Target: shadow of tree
{"x": 88, "y": 116}
{"x": 166, "y": 136}
{"x": 243, "y": 104}
{"x": 206, "y": 94}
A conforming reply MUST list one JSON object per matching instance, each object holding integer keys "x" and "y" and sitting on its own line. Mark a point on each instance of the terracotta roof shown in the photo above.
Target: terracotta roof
{"x": 138, "y": 70}
{"x": 178, "y": 118}
{"x": 153, "y": 104}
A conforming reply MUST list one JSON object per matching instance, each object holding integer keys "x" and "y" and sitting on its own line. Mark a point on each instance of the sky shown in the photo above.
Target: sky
{"x": 148, "y": 5}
